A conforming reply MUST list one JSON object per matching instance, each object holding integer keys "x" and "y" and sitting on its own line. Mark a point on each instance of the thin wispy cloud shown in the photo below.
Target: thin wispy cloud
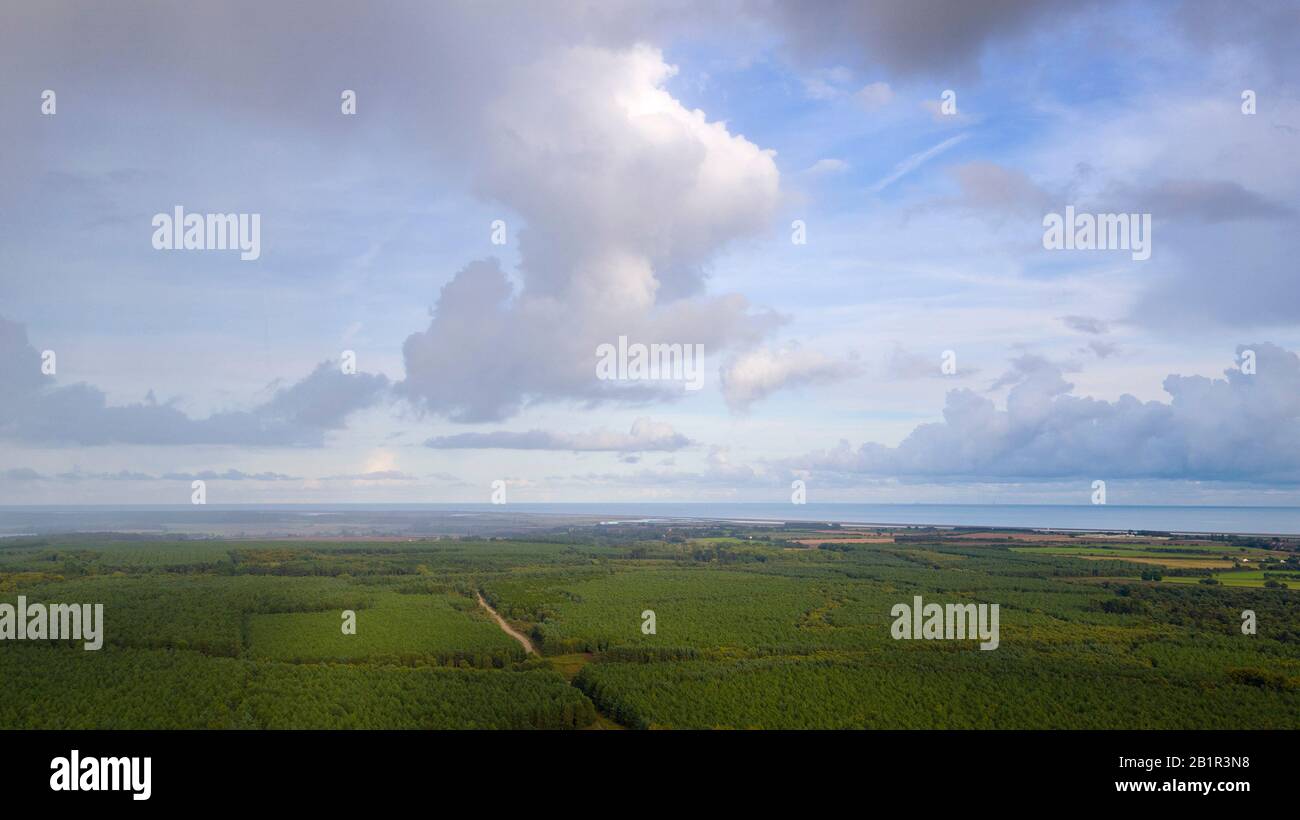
{"x": 915, "y": 161}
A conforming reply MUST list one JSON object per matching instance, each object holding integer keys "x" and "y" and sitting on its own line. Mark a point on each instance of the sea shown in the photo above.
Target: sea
{"x": 1259, "y": 520}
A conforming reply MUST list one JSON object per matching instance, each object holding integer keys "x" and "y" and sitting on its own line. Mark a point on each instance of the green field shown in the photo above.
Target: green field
{"x": 1146, "y": 551}
{"x": 749, "y": 633}
{"x": 1244, "y": 578}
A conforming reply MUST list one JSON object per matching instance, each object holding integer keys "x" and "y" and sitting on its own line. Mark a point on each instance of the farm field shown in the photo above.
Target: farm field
{"x": 1170, "y": 554}
{"x": 656, "y": 626}
{"x": 1245, "y": 578}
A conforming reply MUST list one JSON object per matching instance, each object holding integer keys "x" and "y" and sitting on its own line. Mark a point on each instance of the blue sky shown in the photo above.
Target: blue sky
{"x": 649, "y": 161}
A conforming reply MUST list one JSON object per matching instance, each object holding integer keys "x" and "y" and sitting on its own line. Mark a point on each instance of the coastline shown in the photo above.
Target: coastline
{"x": 419, "y": 520}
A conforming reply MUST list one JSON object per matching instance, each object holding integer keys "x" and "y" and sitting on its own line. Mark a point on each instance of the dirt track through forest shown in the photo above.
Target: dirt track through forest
{"x": 505, "y": 627}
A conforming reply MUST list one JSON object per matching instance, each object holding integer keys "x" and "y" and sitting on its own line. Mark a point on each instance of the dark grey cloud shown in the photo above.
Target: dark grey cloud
{"x": 1029, "y": 366}
{"x": 324, "y": 399}
{"x": 1086, "y": 324}
{"x": 120, "y": 475}
{"x": 908, "y": 37}
{"x": 34, "y": 409}
{"x": 21, "y": 474}
{"x": 1266, "y": 30}
{"x": 1239, "y": 428}
{"x": 929, "y": 38}
{"x": 997, "y": 191}
{"x": 1202, "y": 200}
{"x": 1103, "y": 350}
{"x": 1220, "y": 252}
{"x": 644, "y": 436}
{"x": 27, "y": 474}
{"x": 903, "y": 364}
{"x": 228, "y": 475}
{"x": 1232, "y": 274}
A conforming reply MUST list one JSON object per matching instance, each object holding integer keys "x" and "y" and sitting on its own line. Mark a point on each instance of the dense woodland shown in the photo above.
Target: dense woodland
{"x": 776, "y": 627}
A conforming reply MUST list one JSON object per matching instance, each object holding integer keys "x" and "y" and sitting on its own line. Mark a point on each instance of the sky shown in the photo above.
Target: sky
{"x": 843, "y": 205}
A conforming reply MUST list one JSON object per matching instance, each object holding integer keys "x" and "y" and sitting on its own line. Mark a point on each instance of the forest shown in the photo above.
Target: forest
{"x": 754, "y": 626}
